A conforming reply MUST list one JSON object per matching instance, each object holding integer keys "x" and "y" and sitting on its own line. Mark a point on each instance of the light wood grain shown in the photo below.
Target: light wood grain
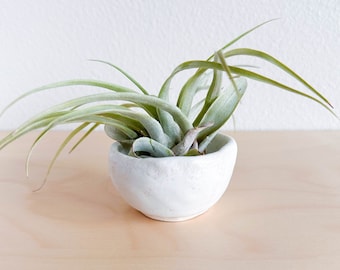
{"x": 281, "y": 211}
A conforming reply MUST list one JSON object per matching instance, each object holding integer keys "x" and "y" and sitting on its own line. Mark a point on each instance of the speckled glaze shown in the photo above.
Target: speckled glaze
{"x": 174, "y": 188}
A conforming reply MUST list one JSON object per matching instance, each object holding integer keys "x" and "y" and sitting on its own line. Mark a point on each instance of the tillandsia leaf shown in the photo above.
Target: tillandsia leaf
{"x": 88, "y": 132}
{"x": 202, "y": 67}
{"x": 277, "y": 63}
{"x": 151, "y": 125}
{"x": 258, "y": 77}
{"x": 160, "y": 104}
{"x": 126, "y": 124}
{"x": 100, "y": 119}
{"x": 148, "y": 109}
{"x": 124, "y": 73}
{"x": 99, "y": 84}
{"x": 248, "y": 74}
{"x": 40, "y": 121}
{"x": 93, "y": 118}
{"x": 216, "y": 84}
{"x": 76, "y": 103}
{"x": 169, "y": 124}
{"x": 222, "y": 108}
{"x": 129, "y": 122}
{"x": 151, "y": 101}
{"x": 227, "y": 70}
{"x": 29, "y": 126}
{"x": 90, "y": 114}
{"x": 38, "y": 139}
{"x": 242, "y": 35}
{"x": 189, "y": 138}
{"x": 103, "y": 120}
{"x": 170, "y": 127}
{"x": 206, "y": 141}
{"x": 195, "y": 110}
{"x": 153, "y": 128}
{"x": 146, "y": 147}
{"x": 116, "y": 134}
{"x": 164, "y": 92}
{"x": 189, "y": 90}
{"x": 60, "y": 149}
{"x": 187, "y": 93}
{"x": 202, "y": 70}
{"x": 193, "y": 152}
{"x": 50, "y": 119}
{"x": 213, "y": 93}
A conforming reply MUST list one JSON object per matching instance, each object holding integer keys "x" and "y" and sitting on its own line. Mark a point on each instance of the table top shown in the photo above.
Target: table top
{"x": 280, "y": 211}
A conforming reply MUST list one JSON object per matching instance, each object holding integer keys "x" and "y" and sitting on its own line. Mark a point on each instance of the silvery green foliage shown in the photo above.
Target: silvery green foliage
{"x": 154, "y": 126}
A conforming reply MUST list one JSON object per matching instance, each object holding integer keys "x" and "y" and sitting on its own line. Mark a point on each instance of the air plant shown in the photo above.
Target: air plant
{"x": 154, "y": 126}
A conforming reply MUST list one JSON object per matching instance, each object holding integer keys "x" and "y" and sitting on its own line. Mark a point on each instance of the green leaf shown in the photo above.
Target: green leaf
{"x": 190, "y": 137}
{"x": 227, "y": 70}
{"x": 189, "y": 90}
{"x": 258, "y": 77}
{"x": 102, "y": 120}
{"x": 164, "y": 92}
{"x": 90, "y": 114}
{"x": 193, "y": 152}
{"x": 170, "y": 127}
{"x": 186, "y": 95}
{"x": 61, "y": 147}
{"x": 27, "y": 127}
{"x": 206, "y": 141}
{"x": 152, "y": 126}
{"x": 213, "y": 93}
{"x": 144, "y": 146}
{"x": 243, "y": 35}
{"x": 100, "y": 84}
{"x": 248, "y": 74}
{"x": 195, "y": 110}
{"x": 116, "y": 134}
{"x": 170, "y": 123}
{"x": 277, "y": 63}
{"x": 124, "y": 73}
{"x": 129, "y": 122}
{"x": 222, "y": 108}
{"x": 216, "y": 84}
{"x": 192, "y": 64}
{"x": 94, "y": 126}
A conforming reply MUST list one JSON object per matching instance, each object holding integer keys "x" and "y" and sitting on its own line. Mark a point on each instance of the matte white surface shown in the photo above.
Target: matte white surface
{"x": 174, "y": 188}
{"x": 46, "y": 41}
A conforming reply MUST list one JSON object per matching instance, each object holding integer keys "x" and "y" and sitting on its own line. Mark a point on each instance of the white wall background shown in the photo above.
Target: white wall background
{"x": 45, "y": 41}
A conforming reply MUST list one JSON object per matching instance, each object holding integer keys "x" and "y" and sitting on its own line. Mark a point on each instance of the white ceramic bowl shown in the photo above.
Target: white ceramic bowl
{"x": 174, "y": 188}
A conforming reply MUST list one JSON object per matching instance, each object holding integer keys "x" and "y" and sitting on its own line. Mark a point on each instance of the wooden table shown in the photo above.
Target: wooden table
{"x": 281, "y": 211}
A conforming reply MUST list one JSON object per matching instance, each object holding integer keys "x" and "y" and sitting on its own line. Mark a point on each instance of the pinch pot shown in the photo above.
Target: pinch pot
{"x": 174, "y": 188}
